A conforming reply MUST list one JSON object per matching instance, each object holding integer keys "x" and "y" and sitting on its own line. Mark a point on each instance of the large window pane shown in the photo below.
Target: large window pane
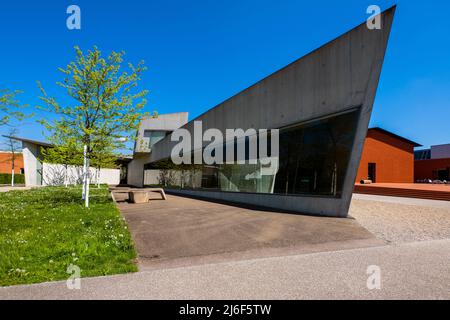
{"x": 313, "y": 159}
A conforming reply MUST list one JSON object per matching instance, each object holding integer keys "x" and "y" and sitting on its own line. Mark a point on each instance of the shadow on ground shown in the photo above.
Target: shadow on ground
{"x": 184, "y": 231}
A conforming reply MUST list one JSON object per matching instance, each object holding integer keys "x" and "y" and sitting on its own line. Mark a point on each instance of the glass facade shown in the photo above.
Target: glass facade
{"x": 152, "y": 137}
{"x": 312, "y": 160}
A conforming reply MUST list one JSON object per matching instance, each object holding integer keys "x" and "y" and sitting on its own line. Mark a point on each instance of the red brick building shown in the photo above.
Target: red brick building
{"x": 6, "y": 165}
{"x": 387, "y": 158}
{"x": 433, "y": 163}
{"x": 433, "y": 169}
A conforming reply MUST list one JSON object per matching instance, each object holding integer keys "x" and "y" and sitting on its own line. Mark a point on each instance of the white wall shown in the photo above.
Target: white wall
{"x": 30, "y": 153}
{"x": 55, "y": 174}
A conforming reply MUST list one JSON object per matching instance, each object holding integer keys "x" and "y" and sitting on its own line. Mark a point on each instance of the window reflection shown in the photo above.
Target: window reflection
{"x": 313, "y": 160}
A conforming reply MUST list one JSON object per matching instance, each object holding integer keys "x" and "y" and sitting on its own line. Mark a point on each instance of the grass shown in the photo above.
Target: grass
{"x": 44, "y": 230}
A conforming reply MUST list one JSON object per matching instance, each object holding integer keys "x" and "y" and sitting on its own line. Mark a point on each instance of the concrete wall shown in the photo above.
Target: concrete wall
{"x": 31, "y": 163}
{"x": 37, "y": 173}
{"x": 321, "y": 206}
{"x": 136, "y": 170}
{"x": 56, "y": 174}
{"x": 164, "y": 122}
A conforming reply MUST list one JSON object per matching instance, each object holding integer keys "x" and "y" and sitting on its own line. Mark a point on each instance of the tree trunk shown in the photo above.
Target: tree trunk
{"x": 13, "y": 164}
{"x": 86, "y": 198}
{"x": 66, "y": 183}
{"x": 84, "y": 173}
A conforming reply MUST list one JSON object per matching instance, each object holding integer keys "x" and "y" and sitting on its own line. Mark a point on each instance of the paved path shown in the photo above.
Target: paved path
{"x": 190, "y": 229}
{"x": 408, "y": 271}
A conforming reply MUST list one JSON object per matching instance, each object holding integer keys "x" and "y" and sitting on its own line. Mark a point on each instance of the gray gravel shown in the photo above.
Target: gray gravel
{"x": 397, "y": 222}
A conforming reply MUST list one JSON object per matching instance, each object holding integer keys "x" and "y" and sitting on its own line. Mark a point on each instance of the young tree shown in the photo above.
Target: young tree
{"x": 106, "y": 103}
{"x": 9, "y": 106}
{"x": 13, "y": 146}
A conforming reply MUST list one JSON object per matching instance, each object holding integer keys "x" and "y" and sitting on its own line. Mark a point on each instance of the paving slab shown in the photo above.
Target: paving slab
{"x": 185, "y": 231}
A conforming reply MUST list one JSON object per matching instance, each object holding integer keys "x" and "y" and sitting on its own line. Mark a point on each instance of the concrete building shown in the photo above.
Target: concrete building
{"x": 321, "y": 104}
{"x": 387, "y": 158}
{"x": 151, "y": 130}
{"x": 39, "y": 173}
{"x": 433, "y": 163}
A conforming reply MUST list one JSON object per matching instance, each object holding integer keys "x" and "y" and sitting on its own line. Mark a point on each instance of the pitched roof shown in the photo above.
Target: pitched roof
{"x": 415, "y": 144}
{"x": 39, "y": 143}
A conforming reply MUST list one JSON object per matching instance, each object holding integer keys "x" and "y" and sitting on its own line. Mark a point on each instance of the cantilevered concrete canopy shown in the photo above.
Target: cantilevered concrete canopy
{"x": 342, "y": 75}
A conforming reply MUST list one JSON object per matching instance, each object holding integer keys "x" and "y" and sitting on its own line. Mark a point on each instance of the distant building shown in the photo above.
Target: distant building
{"x": 440, "y": 151}
{"x": 387, "y": 158}
{"x": 39, "y": 173}
{"x": 433, "y": 163}
{"x": 6, "y": 162}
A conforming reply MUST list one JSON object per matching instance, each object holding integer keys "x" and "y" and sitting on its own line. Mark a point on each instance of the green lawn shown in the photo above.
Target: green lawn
{"x": 43, "y": 231}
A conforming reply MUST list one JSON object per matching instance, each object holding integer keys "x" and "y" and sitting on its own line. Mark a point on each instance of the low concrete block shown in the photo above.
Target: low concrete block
{"x": 138, "y": 196}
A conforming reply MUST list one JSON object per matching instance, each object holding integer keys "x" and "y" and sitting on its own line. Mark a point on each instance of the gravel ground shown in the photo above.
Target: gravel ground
{"x": 399, "y": 223}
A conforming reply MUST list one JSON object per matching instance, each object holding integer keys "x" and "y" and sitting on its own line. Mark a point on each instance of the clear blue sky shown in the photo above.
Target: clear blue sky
{"x": 200, "y": 52}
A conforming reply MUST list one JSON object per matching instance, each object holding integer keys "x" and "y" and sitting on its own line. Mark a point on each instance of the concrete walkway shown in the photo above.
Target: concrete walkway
{"x": 183, "y": 231}
{"x": 419, "y": 270}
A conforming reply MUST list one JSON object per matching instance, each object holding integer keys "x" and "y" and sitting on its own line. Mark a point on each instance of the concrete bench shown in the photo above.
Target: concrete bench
{"x": 157, "y": 190}
{"x": 138, "y": 194}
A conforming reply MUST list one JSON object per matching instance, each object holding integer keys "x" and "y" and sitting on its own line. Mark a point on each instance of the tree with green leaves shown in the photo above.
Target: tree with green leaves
{"x": 65, "y": 152}
{"x": 106, "y": 158}
{"x": 9, "y": 106}
{"x": 106, "y": 103}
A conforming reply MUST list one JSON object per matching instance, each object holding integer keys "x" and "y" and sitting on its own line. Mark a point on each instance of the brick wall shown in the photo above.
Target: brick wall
{"x": 394, "y": 158}
{"x": 5, "y": 162}
{"x": 425, "y": 169}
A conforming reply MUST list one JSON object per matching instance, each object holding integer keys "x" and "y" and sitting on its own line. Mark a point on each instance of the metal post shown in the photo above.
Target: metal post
{"x": 84, "y": 172}
{"x": 86, "y": 197}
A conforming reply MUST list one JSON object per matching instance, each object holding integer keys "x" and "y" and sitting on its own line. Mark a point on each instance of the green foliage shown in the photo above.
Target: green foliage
{"x": 44, "y": 230}
{"x": 106, "y": 104}
{"x": 104, "y": 158}
{"x": 5, "y": 178}
{"x": 67, "y": 154}
{"x": 9, "y": 106}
